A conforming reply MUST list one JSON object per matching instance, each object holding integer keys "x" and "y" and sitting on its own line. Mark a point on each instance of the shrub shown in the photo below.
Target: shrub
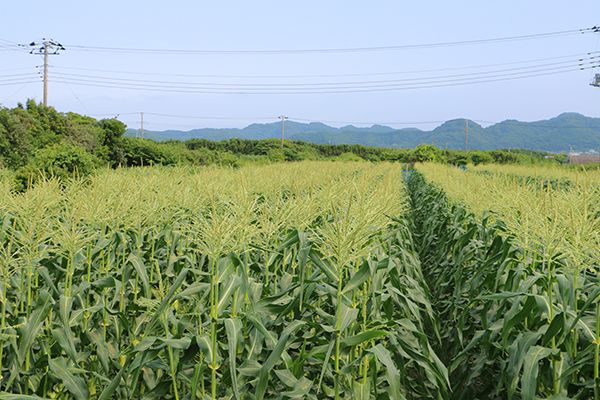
{"x": 59, "y": 160}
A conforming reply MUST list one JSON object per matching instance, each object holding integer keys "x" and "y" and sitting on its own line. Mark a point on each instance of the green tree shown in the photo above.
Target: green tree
{"x": 480, "y": 157}
{"x": 427, "y": 152}
{"x": 61, "y": 160}
{"x": 112, "y": 139}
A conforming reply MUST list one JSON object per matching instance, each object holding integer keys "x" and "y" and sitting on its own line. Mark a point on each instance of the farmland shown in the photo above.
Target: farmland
{"x": 315, "y": 279}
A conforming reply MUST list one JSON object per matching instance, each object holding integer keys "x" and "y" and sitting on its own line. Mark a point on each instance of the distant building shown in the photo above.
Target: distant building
{"x": 584, "y": 158}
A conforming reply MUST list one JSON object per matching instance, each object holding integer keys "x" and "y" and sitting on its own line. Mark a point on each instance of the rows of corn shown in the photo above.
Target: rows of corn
{"x": 307, "y": 280}
{"x": 285, "y": 281}
{"x": 513, "y": 261}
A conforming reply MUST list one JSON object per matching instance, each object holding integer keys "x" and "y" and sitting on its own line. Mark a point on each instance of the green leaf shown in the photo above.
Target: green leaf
{"x": 300, "y": 389}
{"x": 325, "y": 267}
{"x": 363, "y": 337}
{"x": 192, "y": 290}
{"x": 164, "y": 303}
{"x": 63, "y": 337}
{"x": 348, "y": 316}
{"x": 326, "y": 362}
{"x": 530, "y": 371}
{"x": 227, "y": 291}
{"x": 175, "y": 343}
{"x": 34, "y": 323}
{"x": 517, "y": 352}
{"x": 274, "y": 357}
{"x": 11, "y": 396}
{"x": 286, "y": 376}
{"x": 361, "y": 391}
{"x": 392, "y": 373}
{"x": 233, "y": 328}
{"x": 108, "y": 391}
{"x": 74, "y": 384}
{"x": 556, "y": 326}
{"x": 269, "y": 339}
{"x": 141, "y": 270}
{"x": 525, "y": 310}
{"x": 361, "y": 276}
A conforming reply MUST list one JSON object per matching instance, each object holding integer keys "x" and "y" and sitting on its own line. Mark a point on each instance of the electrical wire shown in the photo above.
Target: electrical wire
{"x": 157, "y": 90}
{"x": 208, "y": 118}
{"x": 9, "y": 45}
{"x": 581, "y": 56}
{"x": 130, "y": 50}
{"x": 336, "y": 89}
{"x": 18, "y": 75}
{"x": 16, "y": 83}
{"x": 295, "y": 85}
{"x": 9, "y": 42}
{"x": 304, "y": 119}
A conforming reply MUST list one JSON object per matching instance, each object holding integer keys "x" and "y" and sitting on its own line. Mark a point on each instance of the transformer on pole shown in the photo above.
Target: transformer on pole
{"x": 46, "y": 48}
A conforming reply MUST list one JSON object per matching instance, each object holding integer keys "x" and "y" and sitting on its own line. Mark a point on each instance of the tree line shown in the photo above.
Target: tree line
{"x": 37, "y": 140}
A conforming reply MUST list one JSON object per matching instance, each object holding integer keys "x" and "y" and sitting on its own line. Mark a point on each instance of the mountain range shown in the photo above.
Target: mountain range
{"x": 559, "y": 134}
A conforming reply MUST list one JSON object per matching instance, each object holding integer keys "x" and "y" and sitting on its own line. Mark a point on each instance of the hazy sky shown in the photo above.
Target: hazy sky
{"x": 307, "y": 24}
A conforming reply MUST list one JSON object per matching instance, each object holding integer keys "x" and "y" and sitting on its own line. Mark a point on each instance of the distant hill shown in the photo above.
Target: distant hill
{"x": 568, "y": 130}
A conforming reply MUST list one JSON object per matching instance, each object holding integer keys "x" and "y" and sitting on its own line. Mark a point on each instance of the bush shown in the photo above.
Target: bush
{"x": 348, "y": 156}
{"x": 59, "y": 160}
{"x": 138, "y": 152}
{"x": 427, "y": 152}
{"x": 479, "y": 157}
{"x": 276, "y": 155}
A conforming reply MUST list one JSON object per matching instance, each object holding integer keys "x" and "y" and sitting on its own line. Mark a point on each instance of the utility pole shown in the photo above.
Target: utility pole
{"x": 466, "y": 134}
{"x": 46, "y": 47}
{"x": 45, "y": 76}
{"x": 282, "y": 118}
{"x": 141, "y": 133}
{"x": 596, "y": 83}
{"x": 570, "y": 155}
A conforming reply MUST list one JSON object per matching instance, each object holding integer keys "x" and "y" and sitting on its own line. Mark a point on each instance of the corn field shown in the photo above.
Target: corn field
{"x": 513, "y": 264}
{"x": 287, "y": 281}
{"x": 310, "y": 280}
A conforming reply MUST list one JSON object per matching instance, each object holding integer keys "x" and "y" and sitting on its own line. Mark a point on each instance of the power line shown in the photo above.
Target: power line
{"x": 339, "y": 91}
{"x": 424, "y": 84}
{"x": 208, "y": 118}
{"x": 15, "y": 76}
{"x": 305, "y": 119}
{"x": 580, "y": 56}
{"x": 279, "y": 86}
{"x": 11, "y": 83}
{"x": 9, "y": 42}
{"x": 336, "y": 50}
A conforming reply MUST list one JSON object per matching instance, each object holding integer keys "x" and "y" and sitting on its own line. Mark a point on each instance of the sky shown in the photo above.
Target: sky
{"x": 307, "y": 24}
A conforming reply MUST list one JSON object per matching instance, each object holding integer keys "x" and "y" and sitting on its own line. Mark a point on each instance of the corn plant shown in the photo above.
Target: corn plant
{"x": 283, "y": 281}
{"x": 526, "y": 313}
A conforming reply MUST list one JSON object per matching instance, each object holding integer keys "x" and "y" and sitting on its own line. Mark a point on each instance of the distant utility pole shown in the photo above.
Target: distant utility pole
{"x": 46, "y": 47}
{"x": 466, "y": 134}
{"x": 282, "y": 118}
{"x": 596, "y": 83}
{"x": 570, "y": 155}
{"x": 141, "y": 132}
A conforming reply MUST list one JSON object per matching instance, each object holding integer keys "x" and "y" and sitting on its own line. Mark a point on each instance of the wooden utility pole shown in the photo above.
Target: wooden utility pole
{"x": 466, "y": 134}
{"x": 570, "y": 155}
{"x": 45, "y": 74}
{"x": 142, "y": 125}
{"x": 282, "y": 118}
{"x": 46, "y": 48}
